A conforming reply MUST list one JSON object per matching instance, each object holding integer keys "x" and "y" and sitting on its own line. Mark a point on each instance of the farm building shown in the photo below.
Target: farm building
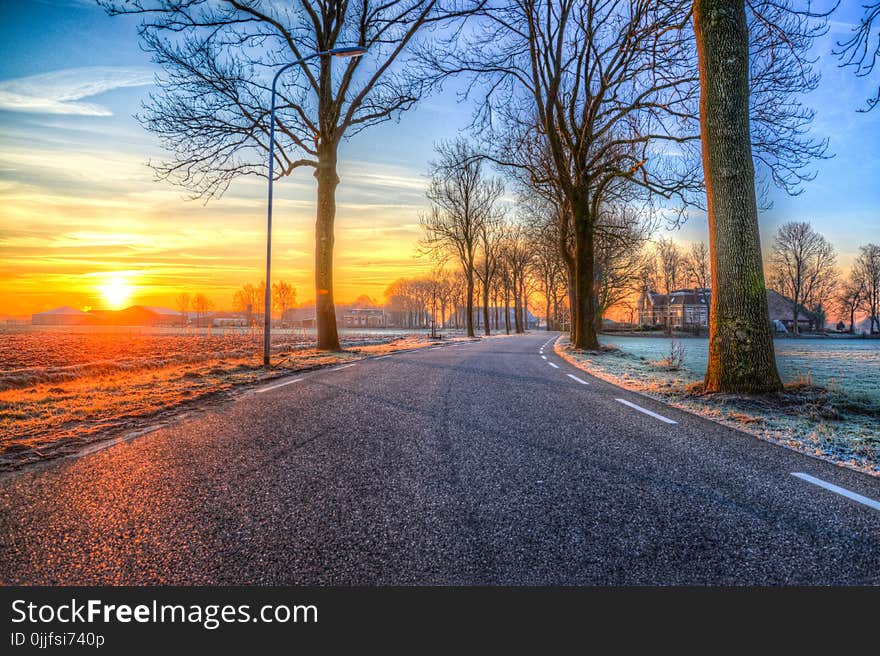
{"x": 681, "y": 308}
{"x": 781, "y": 310}
{"x": 301, "y": 317}
{"x": 137, "y": 315}
{"x": 62, "y": 316}
{"x": 686, "y": 308}
{"x": 363, "y": 317}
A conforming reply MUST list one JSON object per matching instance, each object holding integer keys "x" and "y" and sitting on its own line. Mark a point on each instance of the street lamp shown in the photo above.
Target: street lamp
{"x": 347, "y": 51}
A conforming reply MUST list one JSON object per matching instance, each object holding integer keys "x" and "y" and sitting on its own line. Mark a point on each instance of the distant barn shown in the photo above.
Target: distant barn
{"x": 62, "y": 316}
{"x": 144, "y": 315}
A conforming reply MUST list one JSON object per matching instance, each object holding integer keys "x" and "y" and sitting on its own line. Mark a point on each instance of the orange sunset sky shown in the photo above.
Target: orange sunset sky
{"x": 83, "y": 222}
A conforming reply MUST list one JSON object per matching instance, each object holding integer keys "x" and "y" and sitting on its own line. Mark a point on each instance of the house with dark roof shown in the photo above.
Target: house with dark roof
{"x": 681, "y": 308}
{"x": 781, "y": 309}
{"x": 363, "y": 317}
{"x": 689, "y": 308}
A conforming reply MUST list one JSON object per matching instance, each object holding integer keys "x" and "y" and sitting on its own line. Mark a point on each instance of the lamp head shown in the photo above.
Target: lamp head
{"x": 347, "y": 51}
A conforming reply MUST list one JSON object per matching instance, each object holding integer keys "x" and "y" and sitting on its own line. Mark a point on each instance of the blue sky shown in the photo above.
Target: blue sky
{"x": 73, "y": 160}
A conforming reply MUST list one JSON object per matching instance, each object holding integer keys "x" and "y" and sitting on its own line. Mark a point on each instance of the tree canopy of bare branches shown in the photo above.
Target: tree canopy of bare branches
{"x": 867, "y": 271}
{"x": 861, "y": 50}
{"x": 671, "y": 264}
{"x": 802, "y": 266}
{"x": 850, "y": 298}
{"x": 248, "y": 298}
{"x": 597, "y": 90}
{"x": 283, "y": 296}
{"x": 212, "y": 110}
{"x": 781, "y": 36}
{"x": 698, "y": 266}
{"x": 463, "y": 201}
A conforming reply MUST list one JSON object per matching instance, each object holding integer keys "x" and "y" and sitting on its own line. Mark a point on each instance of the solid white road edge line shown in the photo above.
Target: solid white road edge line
{"x": 382, "y": 357}
{"x": 573, "y": 377}
{"x": 345, "y": 366}
{"x": 269, "y": 389}
{"x": 555, "y": 366}
{"x": 858, "y": 498}
{"x": 646, "y": 411}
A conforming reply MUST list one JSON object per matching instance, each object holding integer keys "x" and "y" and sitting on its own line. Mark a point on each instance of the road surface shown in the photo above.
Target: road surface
{"x": 488, "y": 462}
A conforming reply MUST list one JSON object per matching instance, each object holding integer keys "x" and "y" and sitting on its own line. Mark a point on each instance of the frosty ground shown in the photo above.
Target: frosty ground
{"x": 830, "y": 407}
{"x": 63, "y": 389}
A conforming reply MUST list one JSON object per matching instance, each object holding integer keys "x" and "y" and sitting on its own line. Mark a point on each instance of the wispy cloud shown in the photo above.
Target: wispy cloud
{"x": 58, "y": 91}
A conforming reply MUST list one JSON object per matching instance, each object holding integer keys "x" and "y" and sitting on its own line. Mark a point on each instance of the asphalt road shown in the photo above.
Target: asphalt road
{"x": 477, "y": 463}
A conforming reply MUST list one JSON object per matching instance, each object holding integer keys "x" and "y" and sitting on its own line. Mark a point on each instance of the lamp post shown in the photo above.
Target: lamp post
{"x": 348, "y": 51}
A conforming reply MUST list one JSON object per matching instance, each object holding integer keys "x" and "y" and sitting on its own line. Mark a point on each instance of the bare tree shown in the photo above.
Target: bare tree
{"x": 649, "y": 276}
{"x": 862, "y": 50}
{"x": 672, "y": 268}
{"x": 697, "y": 266}
{"x": 201, "y": 306}
{"x": 443, "y": 283}
{"x": 517, "y": 256}
{"x": 621, "y": 236}
{"x": 547, "y": 264}
{"x": 218, "y": 57}
{"x": 867, "y": 272}
{"x": 462, "y": 200}
{"x": 247, "y": 299}
{"x": 283, "y": 296}
{"x": 698, "y": 271}
{"x": 671, "y": 264}
{"x": 741, "y": 354}
{"x": 802, "y": 266}
{"x": 599, "y": 89}
{"x": 182, "y": 303}
{"x": 415, "y": 302}
{"x": 490, "y": 240}
{"x": 850, "y": 299}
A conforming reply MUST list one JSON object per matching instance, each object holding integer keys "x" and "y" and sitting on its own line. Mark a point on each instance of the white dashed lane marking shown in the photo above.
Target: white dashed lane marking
{"x": 269, "y": 389}
{"x": 573, "y": 377}
{"x": 555, "y": 366}
{"x": 646, "y": 411}
{"x": 849, "y": 494}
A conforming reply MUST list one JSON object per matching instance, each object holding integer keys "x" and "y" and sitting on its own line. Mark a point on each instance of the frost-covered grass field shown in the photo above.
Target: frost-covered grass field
{"x": 852, "y": 365}
{"x": 830, "y": 407}
{"x": 64, "y": 387}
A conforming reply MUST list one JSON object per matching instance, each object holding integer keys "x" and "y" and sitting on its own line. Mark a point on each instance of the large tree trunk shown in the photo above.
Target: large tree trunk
{"x": 741, "y": 356}
{"x": 506, "y": 309}
{"x": 325, "y": 311}
{"x": 583, "y": 311}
